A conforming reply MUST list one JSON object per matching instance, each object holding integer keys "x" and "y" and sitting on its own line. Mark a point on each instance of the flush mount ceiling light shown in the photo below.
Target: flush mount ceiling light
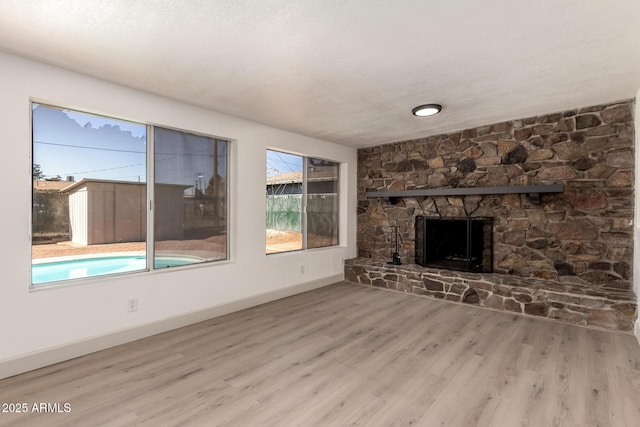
{"x": 427, "y": 110}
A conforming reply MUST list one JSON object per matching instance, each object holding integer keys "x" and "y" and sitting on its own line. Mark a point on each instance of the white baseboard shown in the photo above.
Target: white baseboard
{"x": 50, "y": 356}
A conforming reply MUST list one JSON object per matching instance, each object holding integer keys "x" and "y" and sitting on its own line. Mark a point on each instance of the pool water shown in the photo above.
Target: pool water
{"x": 89, "y": 267}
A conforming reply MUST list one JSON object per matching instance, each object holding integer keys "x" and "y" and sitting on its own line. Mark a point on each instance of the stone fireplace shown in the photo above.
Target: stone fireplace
{"x": 564, "y": 255}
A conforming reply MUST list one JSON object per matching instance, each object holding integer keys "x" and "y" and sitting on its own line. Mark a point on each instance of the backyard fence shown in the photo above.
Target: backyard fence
{"x": 322, "y": 215}
{"x": 284, "y": 213}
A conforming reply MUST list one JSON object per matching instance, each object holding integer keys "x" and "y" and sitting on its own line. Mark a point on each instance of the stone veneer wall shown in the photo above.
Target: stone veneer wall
{"x": 583, "y": 235}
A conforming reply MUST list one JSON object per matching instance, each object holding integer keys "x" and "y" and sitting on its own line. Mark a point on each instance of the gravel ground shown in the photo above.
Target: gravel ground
{"x": 212, "y": 244}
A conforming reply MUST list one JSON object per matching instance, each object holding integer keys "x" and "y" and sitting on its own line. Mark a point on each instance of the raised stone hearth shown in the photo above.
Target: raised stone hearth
{"x": 602, "y": 307}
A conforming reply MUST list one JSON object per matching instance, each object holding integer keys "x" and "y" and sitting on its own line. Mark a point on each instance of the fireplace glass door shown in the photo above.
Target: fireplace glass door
{"x": 463, "y": 244}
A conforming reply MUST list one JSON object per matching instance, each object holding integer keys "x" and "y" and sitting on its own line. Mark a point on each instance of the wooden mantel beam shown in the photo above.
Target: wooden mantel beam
{"x": 533, "y": 191}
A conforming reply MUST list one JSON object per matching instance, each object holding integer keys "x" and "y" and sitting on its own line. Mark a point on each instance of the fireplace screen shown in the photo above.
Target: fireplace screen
{"x": 464, "y": 244}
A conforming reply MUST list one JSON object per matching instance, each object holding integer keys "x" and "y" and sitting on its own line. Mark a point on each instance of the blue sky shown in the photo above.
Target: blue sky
{"x": 71, "y": 143}
{"x": 279, "y": 162}
{"x": 86, "y": 146}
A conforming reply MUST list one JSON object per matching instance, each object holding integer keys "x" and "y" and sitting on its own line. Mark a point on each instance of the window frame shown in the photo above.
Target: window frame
{"x": 337, "y": 211}
{"x": 150, "y": 201}
{"x": 305, "y": 194}
{"x": 151, "y": 152}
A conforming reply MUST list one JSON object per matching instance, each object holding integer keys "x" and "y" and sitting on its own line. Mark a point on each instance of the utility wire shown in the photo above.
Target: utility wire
{"x": 105, "y": 169}
{"x": 289, "y": 165}
{"x": 88, "y": 148}
{"x": 123, "y": 151}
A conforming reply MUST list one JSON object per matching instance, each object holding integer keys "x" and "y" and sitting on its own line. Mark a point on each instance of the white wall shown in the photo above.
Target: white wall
{"x": 636, "y": 213}
{"x": 45, "y": 326}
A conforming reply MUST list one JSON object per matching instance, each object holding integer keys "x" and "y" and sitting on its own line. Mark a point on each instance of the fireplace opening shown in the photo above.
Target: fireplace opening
{"x": 463, "y": 244}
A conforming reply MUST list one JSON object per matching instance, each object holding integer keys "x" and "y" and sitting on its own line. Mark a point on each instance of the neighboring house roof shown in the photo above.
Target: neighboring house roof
{"x": 322, "y": 174}
{"x": 285, "y": 178}
{"x": 42, "y": 185}
{"x": 296, "y": 177}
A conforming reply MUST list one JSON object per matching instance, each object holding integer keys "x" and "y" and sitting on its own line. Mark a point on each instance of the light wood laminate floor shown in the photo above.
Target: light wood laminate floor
{"x": 348, "y": 355}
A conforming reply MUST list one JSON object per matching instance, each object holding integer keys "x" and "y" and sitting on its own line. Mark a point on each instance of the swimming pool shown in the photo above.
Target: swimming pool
{"x": 44, "y": 272}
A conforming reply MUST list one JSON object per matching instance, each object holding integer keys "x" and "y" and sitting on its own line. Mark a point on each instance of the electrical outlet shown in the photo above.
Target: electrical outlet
{"x": 132, "y": 304}
{"x": 301, "y": 268}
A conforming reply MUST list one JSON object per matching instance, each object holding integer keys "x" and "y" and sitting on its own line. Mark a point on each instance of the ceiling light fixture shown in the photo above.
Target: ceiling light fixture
{"x": 427, "y": 110}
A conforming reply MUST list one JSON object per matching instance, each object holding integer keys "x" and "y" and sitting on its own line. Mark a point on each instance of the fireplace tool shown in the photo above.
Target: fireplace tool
{"x": 395, "y": 257}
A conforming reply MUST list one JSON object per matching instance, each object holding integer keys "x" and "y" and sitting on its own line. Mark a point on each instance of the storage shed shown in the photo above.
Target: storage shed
{"x": 106, "y": 211}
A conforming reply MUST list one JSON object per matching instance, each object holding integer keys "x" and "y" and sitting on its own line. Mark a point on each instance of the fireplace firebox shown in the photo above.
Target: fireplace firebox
{"x": 459, "y": 243}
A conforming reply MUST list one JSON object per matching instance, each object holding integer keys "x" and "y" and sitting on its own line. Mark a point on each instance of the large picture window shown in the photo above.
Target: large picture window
{"x": 302, "y": 202}
{"x": 90, "y": 200}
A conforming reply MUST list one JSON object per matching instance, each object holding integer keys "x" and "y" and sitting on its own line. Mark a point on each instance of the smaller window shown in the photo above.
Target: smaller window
{"x": 302, "y": 202}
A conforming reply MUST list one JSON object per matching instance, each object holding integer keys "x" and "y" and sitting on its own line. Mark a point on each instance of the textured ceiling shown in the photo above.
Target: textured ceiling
{"x": 340, "y": 70}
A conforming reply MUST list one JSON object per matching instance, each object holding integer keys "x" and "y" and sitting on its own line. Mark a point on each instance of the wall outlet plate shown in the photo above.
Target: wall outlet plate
{"x": 132, "y": 304}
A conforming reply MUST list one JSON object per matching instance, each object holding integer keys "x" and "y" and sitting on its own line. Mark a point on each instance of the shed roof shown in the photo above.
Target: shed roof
{"x": 75, "y": 185}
